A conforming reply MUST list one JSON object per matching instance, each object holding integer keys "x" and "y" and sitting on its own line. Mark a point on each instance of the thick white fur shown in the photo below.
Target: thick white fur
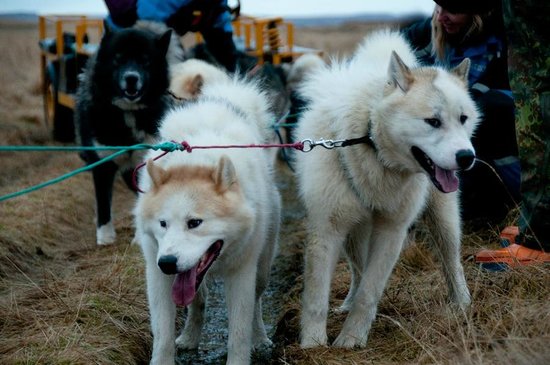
{"x": 364, "y": 200}
{"x": 303, "y": 66}
{"x": 188, "y": 78}
{"x": 227, "y": 112}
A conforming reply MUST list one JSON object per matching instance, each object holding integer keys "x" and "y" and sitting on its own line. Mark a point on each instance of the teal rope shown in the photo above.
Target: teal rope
{"x": 282, "y": 125}
{"x": 279, "y": 124}
{"x": 166, "y": 146}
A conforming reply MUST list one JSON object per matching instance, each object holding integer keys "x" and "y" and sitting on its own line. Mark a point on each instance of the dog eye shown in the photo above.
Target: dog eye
{"x": 193, "y": 223}
{"x": 145, "y": 61}
{"x": 463, "y": 118}
{"x": 434, "y": 122}
{"x": 163, "y": 223}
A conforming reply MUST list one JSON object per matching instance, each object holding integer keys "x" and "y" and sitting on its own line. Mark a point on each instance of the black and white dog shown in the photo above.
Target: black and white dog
{"x": 120, "y": 100}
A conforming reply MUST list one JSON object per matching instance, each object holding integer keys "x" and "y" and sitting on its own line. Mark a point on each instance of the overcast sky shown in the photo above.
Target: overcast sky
{"x": 296, "y": 8}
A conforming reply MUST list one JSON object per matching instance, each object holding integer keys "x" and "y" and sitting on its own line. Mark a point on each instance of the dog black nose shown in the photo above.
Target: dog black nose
{"x": 131, "y": 80}
{"x": 131, "y": 84}
{"x": 168, "y": 264}
{"x": 465, "y": 159}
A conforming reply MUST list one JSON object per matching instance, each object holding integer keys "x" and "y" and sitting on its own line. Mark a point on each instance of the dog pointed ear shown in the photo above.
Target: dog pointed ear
{"x": 107, "y": 27}
{"x": 399, "y": 74}
{"x": 157, "y": 173}
{"x": 462, "y": 70}
{"x": 108, "y": 30}
{"x": 163, "y": 42}
{"x": 194, "y": 86}
{"x": 225, "y": 176}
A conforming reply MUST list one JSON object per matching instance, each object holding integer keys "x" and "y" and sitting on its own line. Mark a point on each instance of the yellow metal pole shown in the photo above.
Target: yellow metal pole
{"x": 42, "y": 27}
{"x": 247, "y": 35}
{"x": 236, "y": 27}
{"x": 290, "y": 36}
{"x": 59, "y": 37}
{"x": 41, "y": 36}
{"x": 259, "y": 34}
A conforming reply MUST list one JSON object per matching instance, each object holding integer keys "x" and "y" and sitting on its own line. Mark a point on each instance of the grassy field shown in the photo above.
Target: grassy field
{"x": 63, "y": 300}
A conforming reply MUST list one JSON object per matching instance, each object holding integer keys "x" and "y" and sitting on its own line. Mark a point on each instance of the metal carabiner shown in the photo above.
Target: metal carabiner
{"x": 326, "y": 143}
{"x": 308, "y": 145}
{"x": 330, "y": 144}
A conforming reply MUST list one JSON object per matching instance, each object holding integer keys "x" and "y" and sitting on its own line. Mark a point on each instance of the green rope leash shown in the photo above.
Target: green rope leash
{"x": 166, "y": 146}
{"x": 283, "y": 125}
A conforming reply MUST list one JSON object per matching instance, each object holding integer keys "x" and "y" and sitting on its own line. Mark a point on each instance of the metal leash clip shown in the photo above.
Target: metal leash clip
{"x": 328, "y": 144}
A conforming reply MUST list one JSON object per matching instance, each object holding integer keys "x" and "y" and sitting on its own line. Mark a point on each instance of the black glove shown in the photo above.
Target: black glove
{"x": 123, "y": 13}
{"x": 221, "y": 46}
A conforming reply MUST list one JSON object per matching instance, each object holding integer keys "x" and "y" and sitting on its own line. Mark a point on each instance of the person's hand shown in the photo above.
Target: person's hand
{"x": 477, "y": 90}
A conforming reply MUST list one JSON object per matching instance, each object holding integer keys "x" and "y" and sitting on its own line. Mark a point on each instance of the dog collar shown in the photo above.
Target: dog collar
{"x": 366, "y": 139}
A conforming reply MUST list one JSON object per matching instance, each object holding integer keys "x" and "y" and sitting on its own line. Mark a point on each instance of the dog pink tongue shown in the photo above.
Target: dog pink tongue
{"x": 183, "y": 289}
{"x": 447, "y": 179}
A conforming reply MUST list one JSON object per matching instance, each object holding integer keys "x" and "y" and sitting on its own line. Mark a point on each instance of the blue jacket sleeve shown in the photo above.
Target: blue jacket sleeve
{"x": 159, "y": 10}
{"x": 180, "y": 14}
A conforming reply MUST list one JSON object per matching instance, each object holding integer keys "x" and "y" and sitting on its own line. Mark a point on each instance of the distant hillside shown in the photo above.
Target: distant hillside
{"x": 360, "y": 18}
{"x": 298, "y": 21}
{"x": 20, "y": 17}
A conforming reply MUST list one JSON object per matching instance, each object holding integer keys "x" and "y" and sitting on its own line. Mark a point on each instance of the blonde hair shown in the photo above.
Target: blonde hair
{"x": 440, "y": 38}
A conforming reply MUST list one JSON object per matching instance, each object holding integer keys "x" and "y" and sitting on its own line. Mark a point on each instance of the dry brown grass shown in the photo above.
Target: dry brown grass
{"x": 508, "y": 323}
{"x": 65, "y": 301}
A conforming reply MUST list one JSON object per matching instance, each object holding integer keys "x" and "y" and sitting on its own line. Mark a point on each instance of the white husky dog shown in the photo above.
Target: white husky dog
{"x": 408, "y": 129}
{"x": 210, "y": 212}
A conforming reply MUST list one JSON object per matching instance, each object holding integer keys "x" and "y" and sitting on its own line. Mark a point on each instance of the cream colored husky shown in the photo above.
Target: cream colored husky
{"x": 212, "y": 212}
{"x": 188, "y": 78}
{"x": 412, "y": 127}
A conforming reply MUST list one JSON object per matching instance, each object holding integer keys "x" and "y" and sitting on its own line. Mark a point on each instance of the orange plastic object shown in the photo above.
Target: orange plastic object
{"x": 509, "y": 234}
{"x": 513, "y": 256}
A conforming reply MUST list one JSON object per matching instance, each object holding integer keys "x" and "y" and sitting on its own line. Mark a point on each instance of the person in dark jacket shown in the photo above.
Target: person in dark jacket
{"x": 529, "y": 57}
{"x": 212, "y": 18}
{"x": 473, "y": 29}
{"x": 526, "y": 24}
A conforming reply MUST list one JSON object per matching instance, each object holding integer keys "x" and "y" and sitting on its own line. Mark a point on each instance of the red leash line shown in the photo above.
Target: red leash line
{"x": 184, "y": 146}
{"x": 136, "y": 169}
{"x": 296, "y": 145}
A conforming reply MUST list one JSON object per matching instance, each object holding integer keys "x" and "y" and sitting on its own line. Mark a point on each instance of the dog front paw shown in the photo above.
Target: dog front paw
{"x": 343, "y": 309}
{"x": 462, "y": 303}
{"x": 309, "y": 341}
{"x": 105, "y": 234}
{"x": 313, "y": 334}
{"x": 462, "y": 299}
{"x": 187, "y": 342}
{"x": 261, "y": 342}
{"x": 349, "y": 341}
{"x": 163, "y": 360}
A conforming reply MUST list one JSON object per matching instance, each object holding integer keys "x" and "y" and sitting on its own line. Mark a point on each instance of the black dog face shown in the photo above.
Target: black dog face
{"x": 131, "y": 66}
{"x": 131, "y": 77}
